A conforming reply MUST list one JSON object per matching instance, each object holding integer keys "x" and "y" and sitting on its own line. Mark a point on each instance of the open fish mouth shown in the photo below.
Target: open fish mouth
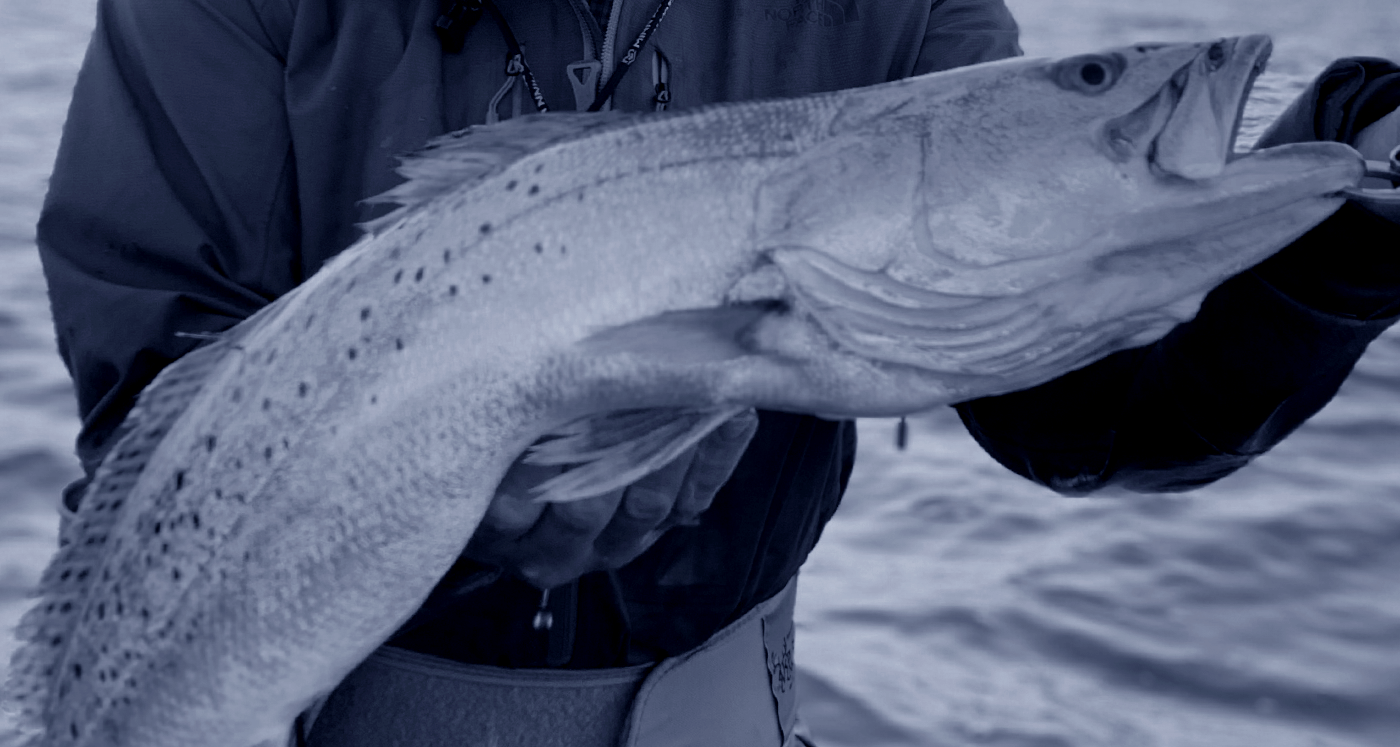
{"x": 1206, "y": 100}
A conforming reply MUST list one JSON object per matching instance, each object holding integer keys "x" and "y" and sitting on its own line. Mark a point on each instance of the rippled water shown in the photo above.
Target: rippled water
{"x": 951, "y": 603}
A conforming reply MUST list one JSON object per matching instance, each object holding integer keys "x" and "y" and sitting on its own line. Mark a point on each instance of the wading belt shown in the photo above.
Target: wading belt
{"x": 734, "y": 689}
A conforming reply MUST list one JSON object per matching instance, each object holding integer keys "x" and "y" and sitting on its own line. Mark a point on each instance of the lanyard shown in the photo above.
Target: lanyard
{"x": 631, "y": 56}
{"x": 451, "y": 26}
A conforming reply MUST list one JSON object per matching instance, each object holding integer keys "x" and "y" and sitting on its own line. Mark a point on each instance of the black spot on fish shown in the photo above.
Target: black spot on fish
{"x": 165, "y": 548}
{"x": 179, "y": 479}
{"x": 534, "y": 189}
{"x": 451, "y": 290}
{"x": 83, "y": 574}
{"x": 66, "y": 607}
{"x": 539, "y": 167}
{"x": 194, "y": 519}
{"x": 101, "y": 610}
{"x": 78, "y": 671}
{"x": 351, "y": 353}
{"x": 73, "y": 727}
{"x": 56, "y": 641}
{"x": 417, "y": 276}
{"x": 510, "y": 184}
{"x": 238, "y": 464}
{"x": 210, "y": 442}
{"x": 309, "y": 319}
{"x": 236, "y": 395}
{"x": 539, "y": 248}
{"x": 267, "y": 404}
{"x": 398, "y": 343}
{"x": 485, "y": 228}
{"x": 485, "y": 279}
{"x": 398, "y": 276}
{"x": 267, "y": 453}
{"x": 446, "y": 256}
{"x": 364, "y": 313}
{"x": 156, "y": 528}
{"x": 580, "y": 195}
{"x": 374, "y": 399}
{"x": 286, "y": 444}
{"x": 302, "y": 389}
{"x": 563, "y": 249}
{"x": 174, "y": 574}
{"x": 64, "y": 576}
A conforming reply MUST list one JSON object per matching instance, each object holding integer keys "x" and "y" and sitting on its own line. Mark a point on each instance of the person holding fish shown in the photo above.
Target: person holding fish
{"x": 218, "y": 152}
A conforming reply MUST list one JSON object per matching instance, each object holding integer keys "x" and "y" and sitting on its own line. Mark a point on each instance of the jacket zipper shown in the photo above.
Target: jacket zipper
{"x": 610, "y": 45}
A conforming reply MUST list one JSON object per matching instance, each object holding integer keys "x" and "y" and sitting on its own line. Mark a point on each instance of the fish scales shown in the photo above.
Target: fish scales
{"x": 285, "y": 497}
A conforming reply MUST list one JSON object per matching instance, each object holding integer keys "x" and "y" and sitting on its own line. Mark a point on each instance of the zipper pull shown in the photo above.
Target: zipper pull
{"x": 583, "y": 76}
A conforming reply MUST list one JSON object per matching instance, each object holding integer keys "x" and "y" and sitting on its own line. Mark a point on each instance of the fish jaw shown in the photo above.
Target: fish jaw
{"x": 1209, "y": 93}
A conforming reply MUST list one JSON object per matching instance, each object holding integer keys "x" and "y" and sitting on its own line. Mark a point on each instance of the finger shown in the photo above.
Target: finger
{"x": 645, "y": 504}
{"x": 559, "y": 548}
{"x": 1375, "y": 143}
{"x": 716, "y": 456}
{"x": 514, "y": 509}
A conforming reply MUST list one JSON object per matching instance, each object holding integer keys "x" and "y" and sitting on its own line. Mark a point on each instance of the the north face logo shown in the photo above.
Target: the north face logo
{"x": 814, "y": 12}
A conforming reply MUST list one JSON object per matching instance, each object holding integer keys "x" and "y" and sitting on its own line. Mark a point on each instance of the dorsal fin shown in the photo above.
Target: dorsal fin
{"x": 482, "y": 151}
{"x": 43, "y": 673}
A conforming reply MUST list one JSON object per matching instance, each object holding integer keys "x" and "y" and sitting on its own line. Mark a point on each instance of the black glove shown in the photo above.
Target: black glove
{"x": 1349, "y": 265}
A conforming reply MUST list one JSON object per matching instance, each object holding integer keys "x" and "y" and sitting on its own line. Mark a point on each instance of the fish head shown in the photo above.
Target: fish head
{"x": 1064, "y": 163}
{"x": 1062, "y": 210}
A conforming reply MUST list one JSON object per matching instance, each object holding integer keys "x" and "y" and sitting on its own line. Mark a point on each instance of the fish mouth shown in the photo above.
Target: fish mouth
{"x": 1194, "y": 120}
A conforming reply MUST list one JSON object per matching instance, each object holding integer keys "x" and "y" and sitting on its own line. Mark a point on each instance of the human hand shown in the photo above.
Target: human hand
{"x": 1376, "y": 142}
{"x": 549, "y": 544}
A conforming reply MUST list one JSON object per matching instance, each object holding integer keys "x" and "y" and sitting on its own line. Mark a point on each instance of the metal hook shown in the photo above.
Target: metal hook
{"x": 1383, "y": 202}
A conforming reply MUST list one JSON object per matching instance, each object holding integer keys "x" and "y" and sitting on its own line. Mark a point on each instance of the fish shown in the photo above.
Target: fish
{"x": 603, "y": 290}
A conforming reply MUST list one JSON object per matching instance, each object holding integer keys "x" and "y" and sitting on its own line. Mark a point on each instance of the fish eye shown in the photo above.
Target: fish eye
{"x": 1089, "y": 74}
{"x": 1093, "y": 73}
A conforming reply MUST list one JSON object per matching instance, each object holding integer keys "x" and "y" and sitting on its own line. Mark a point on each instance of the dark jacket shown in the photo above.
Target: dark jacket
{"x": 217, "y": 150}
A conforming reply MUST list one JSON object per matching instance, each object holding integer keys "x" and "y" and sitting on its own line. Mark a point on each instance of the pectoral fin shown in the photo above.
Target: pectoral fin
{"x": 613, "y": 450}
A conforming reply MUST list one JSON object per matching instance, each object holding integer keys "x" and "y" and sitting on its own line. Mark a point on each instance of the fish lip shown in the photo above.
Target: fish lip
{"x": 1258, "y": 48}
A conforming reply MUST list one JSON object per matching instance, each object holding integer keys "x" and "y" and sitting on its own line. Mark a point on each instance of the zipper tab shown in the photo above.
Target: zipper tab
{"x": 583, "y": 76}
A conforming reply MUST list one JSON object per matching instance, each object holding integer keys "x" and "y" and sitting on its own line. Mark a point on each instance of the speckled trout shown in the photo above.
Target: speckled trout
{"x": 281, "y": 500}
